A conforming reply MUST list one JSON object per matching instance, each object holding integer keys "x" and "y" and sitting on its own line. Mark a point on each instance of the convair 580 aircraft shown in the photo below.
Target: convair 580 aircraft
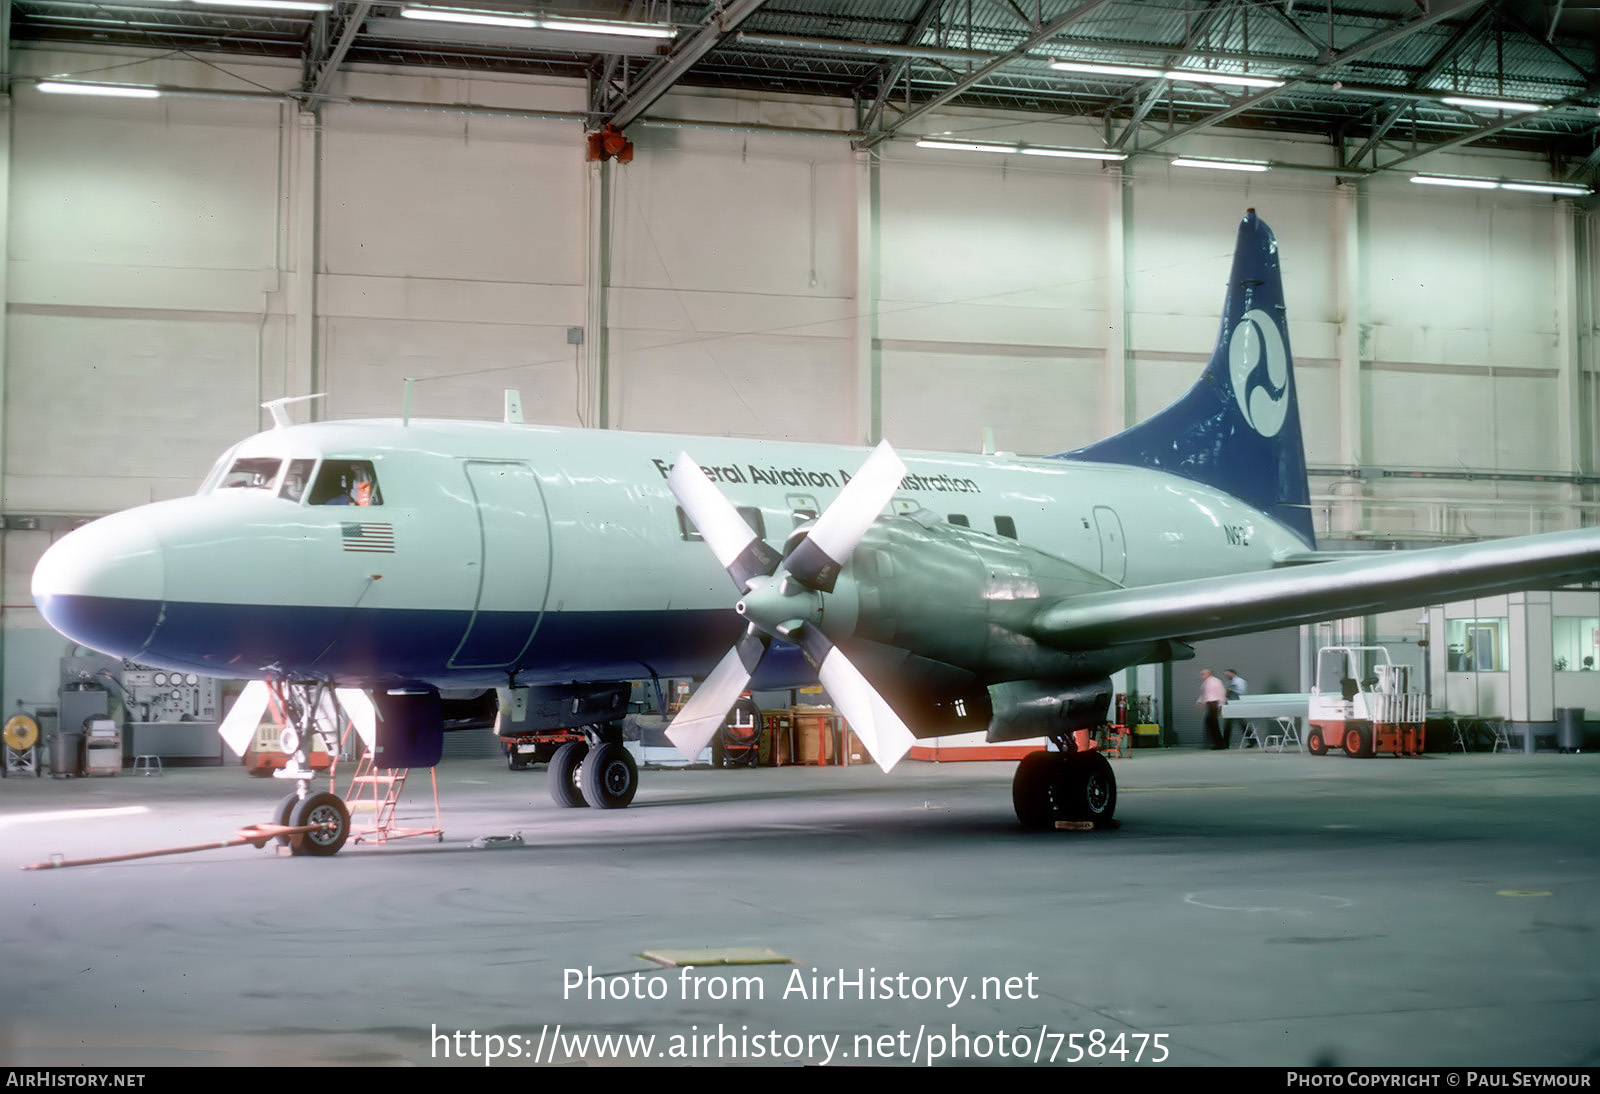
{"x": 937, "y": 595}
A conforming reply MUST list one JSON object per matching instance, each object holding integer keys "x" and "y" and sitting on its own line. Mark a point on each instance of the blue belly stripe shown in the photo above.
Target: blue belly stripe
{"x": 383, "y": 647}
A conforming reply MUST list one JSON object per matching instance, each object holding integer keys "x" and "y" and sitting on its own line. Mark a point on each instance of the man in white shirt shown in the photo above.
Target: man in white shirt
{"x": 1212, "y": 695}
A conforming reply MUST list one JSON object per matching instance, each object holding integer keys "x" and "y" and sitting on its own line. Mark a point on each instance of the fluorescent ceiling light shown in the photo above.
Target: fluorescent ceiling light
{"x": 1490, "y": 104}
{"x": 1105, "y": 70}
{"x": 1221, "y": 165}
{"x": 620, "y": 28}
{"x": 1545, "y": 188}
{"x": 1464, "y": 184}
{"x": 117, "y": 91}
{"x": 270, "y": 5}
{"x": 966, "y": 146}
{"x": 1228, "y": 78}
{"x": 1074, "y": 154}
{"x": 596, "y": 26}
{"x": 1026, "y": 150}
{"x": 477, "y": 18}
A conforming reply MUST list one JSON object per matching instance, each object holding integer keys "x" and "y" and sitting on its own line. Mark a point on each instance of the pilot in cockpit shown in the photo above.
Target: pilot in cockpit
{"x": 355, "y": 487}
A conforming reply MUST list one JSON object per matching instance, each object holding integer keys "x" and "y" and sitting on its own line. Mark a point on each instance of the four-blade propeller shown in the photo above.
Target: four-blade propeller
{"x": 783, "y": 599}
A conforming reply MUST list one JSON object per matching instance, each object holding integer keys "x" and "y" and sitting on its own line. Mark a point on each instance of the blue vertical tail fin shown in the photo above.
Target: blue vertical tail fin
{"x": 1238, "y": 428}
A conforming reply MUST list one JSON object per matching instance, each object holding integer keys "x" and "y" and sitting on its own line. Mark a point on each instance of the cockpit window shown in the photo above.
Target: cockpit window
{"x": 346, "y": 482}
{"x": 214, "y": 476}
{"x": 250, "y": 474}
{"x": 296, "y": 479}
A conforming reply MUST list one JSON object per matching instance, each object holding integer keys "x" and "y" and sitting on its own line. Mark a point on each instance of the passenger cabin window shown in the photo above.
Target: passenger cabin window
{"x": 346, "y": 482}
{"x": 803, "y": 507}
{"x": 296, "y": 479}
{"x": 960, "y": 519}
{"x": 251, "y": 474}
{"x": 1005, "y": 526}
{"x": 752, "y": 516}
{"x": 686, "y": 529}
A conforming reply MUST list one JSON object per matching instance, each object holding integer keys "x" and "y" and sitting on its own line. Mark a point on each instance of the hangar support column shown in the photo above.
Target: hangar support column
{"x": 1352, "y": 287}
{"x": 1121, "y": 403}
{"x": 304, "y": 208}
{"x": 869, "y": 349}
{"x": 1585, "y": 392}
{"x": 1569, "y": 360}
{"x": 597, "y": 279}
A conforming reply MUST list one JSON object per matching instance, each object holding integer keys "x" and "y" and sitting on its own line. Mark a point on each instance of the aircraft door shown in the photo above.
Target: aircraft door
{"x": 513, "y": 564}
{"x": 1113, "y": 548}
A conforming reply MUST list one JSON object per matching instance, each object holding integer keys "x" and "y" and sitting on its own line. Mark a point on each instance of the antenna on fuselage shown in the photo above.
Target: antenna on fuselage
{"x": 405, "y": 404}
{"x": 513, "y": 406}
{"x": 279, "y": 408}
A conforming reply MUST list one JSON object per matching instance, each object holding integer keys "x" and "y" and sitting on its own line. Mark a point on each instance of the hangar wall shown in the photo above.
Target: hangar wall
{"x": 174, "y": 263}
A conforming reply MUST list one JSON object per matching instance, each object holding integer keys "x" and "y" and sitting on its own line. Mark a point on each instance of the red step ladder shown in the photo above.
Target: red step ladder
{"x": 379, "y": 791}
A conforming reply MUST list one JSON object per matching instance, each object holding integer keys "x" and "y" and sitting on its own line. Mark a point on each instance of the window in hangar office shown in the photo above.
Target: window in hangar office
{"x": 1576, "y": 645}
{"x": 1477, "y": 645}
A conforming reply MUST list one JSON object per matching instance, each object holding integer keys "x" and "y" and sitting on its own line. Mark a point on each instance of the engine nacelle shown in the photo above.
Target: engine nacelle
{"x": 1040, "y": 708}
{"x": 960, "y": 597}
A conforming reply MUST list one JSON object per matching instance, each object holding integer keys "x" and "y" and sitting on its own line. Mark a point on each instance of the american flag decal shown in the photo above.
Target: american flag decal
{"x": 368, "y": 538}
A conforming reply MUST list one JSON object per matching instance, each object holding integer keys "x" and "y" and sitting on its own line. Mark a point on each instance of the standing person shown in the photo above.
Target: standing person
{"x": 1212, "y": 695}
{"x": 1236, "y": 687}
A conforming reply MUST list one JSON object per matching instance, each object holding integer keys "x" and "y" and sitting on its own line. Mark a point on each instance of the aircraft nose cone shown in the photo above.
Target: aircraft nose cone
{"x": 103, "y": 585}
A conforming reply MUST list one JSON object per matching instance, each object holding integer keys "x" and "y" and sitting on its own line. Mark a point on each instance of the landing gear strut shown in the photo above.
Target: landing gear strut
{"x": 1068, "y": 785}
{"x": 308, "y": 709}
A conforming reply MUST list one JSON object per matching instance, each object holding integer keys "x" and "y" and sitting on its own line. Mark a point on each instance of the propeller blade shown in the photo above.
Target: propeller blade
{"x": 742, "y": 553}
{"x": 817, "y": 559}
{"x": 708, "y": 707}
{"x": 882, "y": 732}
{"x": 239, "y": 727}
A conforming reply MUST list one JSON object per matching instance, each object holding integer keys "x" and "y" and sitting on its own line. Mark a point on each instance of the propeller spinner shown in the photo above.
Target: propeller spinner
{"x": 783, "y": 599}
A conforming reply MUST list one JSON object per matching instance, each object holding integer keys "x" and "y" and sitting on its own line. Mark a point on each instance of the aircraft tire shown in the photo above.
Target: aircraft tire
{"x": 564, "y": 768}
{"x": 1036, "y": 790}
{"x": 283, "y": 814}
{"x": 1315, "y": 744}
{"x": 323, "y": 808}
{"x": 609, "y": 778}
{"x": 1091, "y": 788}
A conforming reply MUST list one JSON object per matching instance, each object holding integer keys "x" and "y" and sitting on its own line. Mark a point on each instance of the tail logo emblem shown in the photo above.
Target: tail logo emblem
{"x": 1263, "y": 399}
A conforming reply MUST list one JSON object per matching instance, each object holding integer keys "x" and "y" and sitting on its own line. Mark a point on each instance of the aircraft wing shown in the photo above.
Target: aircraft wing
{"x": 1231, "y": 604}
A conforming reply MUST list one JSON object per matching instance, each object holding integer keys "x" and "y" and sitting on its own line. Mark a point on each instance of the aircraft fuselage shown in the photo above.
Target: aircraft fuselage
{"x": 556, "y": 555}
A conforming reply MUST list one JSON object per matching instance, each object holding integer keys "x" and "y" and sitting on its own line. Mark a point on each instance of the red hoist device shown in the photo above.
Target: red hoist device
{"x": 1363, "y": 703}
{"x": 610, "y": 144}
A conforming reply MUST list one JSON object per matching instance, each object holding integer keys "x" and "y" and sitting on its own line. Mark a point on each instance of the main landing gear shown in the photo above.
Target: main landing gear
{"x": 1069, "y": 785}
{"x": 598, "y": 772}
{"x": 309, "y": 710}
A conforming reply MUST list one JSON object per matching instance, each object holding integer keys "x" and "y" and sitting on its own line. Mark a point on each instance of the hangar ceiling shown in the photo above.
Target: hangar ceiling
{"x": 1370, "y": 77}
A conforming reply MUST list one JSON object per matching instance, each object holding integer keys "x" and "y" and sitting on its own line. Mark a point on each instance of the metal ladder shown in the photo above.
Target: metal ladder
{"x": 380, "y": 792}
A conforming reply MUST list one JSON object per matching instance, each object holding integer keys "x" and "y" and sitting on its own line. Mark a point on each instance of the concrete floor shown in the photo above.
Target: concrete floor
{"x": 1252, "y": 909}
